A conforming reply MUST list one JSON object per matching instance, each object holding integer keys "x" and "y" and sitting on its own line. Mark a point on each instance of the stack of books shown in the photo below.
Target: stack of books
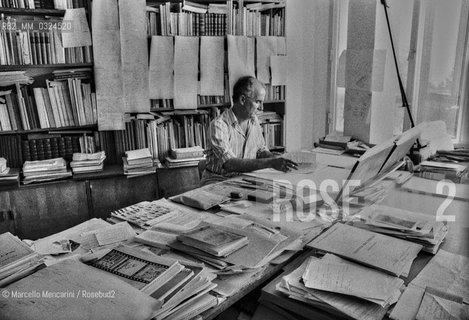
{"x": 8, "y": 177}
{"x": 175, "y": 285}
{"x": 17, "y": 259}
{"x": 443, "y": 170}
{"x": 138, "y": 162}
{"x": 212, "y": 240}
{"x": 412, "y": 226}
{"x": 185, "y": 157}
{"x": 87, "y": 162}
{"x": 45, "y": 170}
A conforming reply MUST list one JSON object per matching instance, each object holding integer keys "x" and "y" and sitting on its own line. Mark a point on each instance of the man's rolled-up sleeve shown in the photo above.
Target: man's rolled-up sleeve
{"x": 219, "y": 139}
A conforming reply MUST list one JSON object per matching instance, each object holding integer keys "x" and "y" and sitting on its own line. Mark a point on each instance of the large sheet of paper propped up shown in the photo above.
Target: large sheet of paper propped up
{"x": 212, "y": 60}
{"x": 265, "y": 48}
{"x": 80, "y": 35}
{"x": 161, "y": 78}
{"x": 79, "y": 287}
{"x": 108, "y": 65}
{"x": 186, "y": 57}
{"x": 368, "y": 248}
{"x": 240, "y": 58}
{"x": 134, "y": 51}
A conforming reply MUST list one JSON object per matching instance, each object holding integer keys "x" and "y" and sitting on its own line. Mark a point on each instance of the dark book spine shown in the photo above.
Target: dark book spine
{"x": 33, "y": 150}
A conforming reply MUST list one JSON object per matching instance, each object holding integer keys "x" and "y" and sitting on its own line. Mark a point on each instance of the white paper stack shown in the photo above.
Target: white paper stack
{"x": 372, "y": 249}
{"x": 88, "y": 162}
{"x": 339, "y": 305}
{"x": 138, "y": 162}
{"x": 45, "y": 170}
{"x": 412, "y": 226}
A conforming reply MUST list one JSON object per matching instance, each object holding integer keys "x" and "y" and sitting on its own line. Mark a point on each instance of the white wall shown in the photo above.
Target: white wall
{"x": 307, "y": 32}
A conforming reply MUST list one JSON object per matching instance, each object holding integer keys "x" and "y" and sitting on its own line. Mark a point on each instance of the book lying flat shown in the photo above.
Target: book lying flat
{"x": 210, "y": 239}
{"x": 145, "y": 272}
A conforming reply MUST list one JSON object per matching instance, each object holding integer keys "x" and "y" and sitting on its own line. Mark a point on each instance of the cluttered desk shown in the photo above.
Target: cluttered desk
{"x": 352, "y": 243}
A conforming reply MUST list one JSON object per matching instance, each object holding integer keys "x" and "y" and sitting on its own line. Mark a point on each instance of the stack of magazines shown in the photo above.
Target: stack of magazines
{"x": 45, "y": 170}
{"x": 87, "y": 162}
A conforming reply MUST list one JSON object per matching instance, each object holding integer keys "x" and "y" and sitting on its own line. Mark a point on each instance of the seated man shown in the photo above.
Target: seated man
{"x": 235, "y": 141}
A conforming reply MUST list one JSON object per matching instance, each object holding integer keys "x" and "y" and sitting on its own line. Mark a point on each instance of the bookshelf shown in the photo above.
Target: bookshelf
{"x": 55, "y": 89}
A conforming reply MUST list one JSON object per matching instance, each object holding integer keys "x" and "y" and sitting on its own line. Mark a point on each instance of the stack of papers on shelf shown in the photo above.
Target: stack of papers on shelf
{"x": 185, "y": 157}
{"x": 45, "y": 170}
{"x": 138, "y": 162}
{"x": 372, "y": 249}
{"x": 412, "y": 226}
{"x": 88, "y": 162}
{"x": 336, "y": 304}
{"x": 17, "y": 260}
{"x": 8, "y": 177}
{"x": 210, "y": 239}
{"x": 9, "y": 78}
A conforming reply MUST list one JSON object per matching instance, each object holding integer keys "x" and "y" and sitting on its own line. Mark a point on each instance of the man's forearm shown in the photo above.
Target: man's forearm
{"x": 247, "y": 165}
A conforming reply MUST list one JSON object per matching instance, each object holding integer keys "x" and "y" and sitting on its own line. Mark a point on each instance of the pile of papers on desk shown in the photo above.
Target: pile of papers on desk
{"x": 87, "y": 162}
{"x": 138, "y": 162}
{"x": 17, "y": 259}
{"x": 45, "y": 170}
{"x": 342, "y": 288}
{"x": 388, "y": 254}
{"x": 412, "y": 226}
{"x": 443, "y": 170}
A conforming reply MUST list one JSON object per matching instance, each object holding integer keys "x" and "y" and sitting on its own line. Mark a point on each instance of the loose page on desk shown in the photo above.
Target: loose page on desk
{"x": 212, "y": 59}
{"x": 334, "y": 274}
{"x": 448, "y": 272}
{"x": 438, "y": 188}
{"x": 240, "y": 58}
{"x": 108, "y": 65}
{"x": 134, "y": 52}
{"x": 186, "y": 61}
{"x": 161, "y": 77}
{"x": 434, "y": 307}
{"x": 80, "y": 35}
{"x": 369, "y": 248}
{"x": 75, "y": 280}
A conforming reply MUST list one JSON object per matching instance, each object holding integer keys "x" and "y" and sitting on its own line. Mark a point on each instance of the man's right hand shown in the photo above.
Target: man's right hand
{"x": 284, "y": 165}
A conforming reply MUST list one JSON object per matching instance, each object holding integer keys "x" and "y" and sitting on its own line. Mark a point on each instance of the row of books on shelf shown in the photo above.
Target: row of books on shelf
{"x": 273, "y": 134}
{"x": 20, "y": 47}
{"x": 43, "y": 4}
{"x": 273, "y": 93}
{"x": 216, "y": 19}
{"x": 63, "y": 103}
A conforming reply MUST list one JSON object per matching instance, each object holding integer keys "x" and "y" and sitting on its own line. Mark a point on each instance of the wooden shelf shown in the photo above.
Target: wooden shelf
{"x": 48, "y": 66}
{"x": 33, "y": 12}
{"x": 51, "y": 130}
